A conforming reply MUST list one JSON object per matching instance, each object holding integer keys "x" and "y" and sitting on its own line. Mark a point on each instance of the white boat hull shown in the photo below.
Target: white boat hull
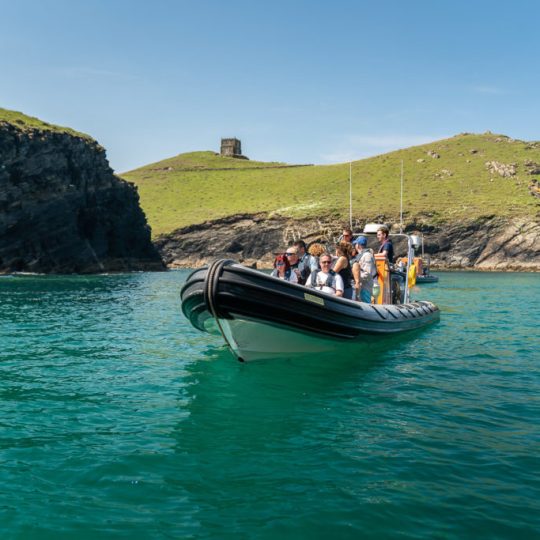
{"x": 252, "y": 340}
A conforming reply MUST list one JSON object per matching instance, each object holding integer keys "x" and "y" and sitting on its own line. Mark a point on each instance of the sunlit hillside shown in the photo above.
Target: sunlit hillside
{"x": 445, "y": 180}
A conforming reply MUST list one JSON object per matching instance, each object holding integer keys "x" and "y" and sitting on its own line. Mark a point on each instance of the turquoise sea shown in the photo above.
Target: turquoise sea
{"x": 119, "y": 420}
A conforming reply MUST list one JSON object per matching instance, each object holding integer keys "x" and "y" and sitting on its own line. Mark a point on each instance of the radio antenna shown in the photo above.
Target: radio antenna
{"x": 350, "y": 194}
{"x": 401, "y": 202}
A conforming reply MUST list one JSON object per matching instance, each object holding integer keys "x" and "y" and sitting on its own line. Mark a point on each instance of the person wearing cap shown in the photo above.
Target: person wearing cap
{"x": 364, "y": 270}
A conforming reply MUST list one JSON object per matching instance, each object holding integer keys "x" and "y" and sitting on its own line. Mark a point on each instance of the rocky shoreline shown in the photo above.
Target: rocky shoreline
{"x": 487, "y": 244}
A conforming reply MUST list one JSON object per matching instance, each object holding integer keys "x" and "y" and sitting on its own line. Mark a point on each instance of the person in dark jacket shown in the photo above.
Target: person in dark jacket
{"x": 306, "y": 263}
{"x": 297, "y": 267}
{"x": 386, "y": 246}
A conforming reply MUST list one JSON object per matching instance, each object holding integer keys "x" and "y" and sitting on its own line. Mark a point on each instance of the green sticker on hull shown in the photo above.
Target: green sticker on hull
{"x": 314, "y": 299}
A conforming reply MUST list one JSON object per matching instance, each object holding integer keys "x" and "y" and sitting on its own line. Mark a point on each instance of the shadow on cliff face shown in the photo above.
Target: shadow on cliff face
{"x": 62, "y": 210}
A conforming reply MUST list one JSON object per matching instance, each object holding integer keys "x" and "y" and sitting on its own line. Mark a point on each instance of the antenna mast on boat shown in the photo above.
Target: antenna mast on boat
{"x": 350, "y": 194}
{"x": 401, "y": 202}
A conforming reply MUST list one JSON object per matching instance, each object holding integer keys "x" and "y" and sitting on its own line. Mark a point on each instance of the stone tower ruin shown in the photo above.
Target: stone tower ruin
{"x": 232, "y": 148}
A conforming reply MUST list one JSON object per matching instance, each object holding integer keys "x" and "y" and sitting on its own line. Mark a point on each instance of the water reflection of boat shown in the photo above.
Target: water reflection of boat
{"x": 260, "y": 316}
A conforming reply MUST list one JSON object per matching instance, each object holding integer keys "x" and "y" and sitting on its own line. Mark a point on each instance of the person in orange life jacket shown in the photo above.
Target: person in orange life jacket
{"x": 386, "y": 246}
{"x": 282, "y": 269}
{"x": 326, "y": 280}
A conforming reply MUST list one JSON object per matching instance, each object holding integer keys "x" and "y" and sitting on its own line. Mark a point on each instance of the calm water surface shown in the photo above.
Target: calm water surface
{"x": 118, "y": 420}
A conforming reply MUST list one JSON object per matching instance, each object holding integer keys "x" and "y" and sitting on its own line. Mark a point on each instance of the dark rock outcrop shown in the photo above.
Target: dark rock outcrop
{"x": 62, "y": 209}
{"x": 490, "y": 243}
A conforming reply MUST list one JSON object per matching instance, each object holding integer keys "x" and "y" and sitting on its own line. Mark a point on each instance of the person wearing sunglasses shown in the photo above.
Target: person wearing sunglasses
{"x": 347, "y": 235}
{"x": 326, "y": 280}
{"x": 283, "y": 270}
{"x": 297, "y": 266}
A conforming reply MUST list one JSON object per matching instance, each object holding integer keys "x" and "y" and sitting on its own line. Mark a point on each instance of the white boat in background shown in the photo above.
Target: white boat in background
{"x": 421, "y": 263}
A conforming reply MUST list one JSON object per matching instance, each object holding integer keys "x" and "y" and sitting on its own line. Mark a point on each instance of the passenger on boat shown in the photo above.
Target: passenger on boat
{"x": 346, "y": 235}
{"x": 386, "y": 244}
{"x": 300, "y": 271}
{"x": 307, "y": 262}
{"x": 316, "y": 250}
{"x": 283, "y": 270}
{"x": 364, "y": 270}
{"x": 342, "y": 266}
{"x": 326, "y": 280}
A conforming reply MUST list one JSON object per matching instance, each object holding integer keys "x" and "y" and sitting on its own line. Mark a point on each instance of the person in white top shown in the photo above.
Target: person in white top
{"x": 326, "y": 280}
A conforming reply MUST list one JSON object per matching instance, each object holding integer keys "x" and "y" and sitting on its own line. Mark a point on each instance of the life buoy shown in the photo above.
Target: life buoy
{"x": 411, "y": 276}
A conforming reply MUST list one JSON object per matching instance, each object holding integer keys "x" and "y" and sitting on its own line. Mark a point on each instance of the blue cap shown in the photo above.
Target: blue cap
{"x": 361, "y": 241}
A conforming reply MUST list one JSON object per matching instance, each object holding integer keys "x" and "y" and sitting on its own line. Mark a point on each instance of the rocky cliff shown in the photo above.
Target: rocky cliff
{"x": 489, "y": 243}
{"x": 63, "y": 210}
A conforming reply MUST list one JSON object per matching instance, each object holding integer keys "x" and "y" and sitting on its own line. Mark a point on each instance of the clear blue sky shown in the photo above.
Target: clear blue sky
{"x": 304, "y": 81}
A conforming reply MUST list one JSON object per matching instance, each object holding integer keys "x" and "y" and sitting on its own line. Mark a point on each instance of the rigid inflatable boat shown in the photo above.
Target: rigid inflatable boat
{"x": 260, "y": 316}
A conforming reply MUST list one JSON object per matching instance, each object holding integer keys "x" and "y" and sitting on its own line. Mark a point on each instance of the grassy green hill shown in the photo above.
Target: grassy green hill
{"x": 196, "y": 161}
{"x": 27, "y": 123}
{"x": 192, "y": 188}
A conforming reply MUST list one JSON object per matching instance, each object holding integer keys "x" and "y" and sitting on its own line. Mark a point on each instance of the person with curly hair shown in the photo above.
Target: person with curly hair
{"x": 316, "y": 250}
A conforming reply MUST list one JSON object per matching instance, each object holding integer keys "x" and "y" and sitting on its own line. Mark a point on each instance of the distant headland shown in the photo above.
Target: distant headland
{"x": 62, "y": 210}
